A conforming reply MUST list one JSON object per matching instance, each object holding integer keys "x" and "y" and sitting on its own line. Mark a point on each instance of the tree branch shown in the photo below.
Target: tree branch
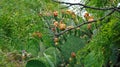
{"x": 62, "y": 32}
{"x": 85, "y": 6}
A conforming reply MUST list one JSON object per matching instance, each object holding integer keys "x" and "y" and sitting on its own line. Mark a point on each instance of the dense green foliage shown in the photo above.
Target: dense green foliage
{"x": 103, "y": 49}
{"x": 27, "y": 34}
{"x": 18, "y": 21}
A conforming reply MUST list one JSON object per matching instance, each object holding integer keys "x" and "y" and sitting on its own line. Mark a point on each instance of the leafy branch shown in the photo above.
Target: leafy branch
{"x": 83, "y": 23}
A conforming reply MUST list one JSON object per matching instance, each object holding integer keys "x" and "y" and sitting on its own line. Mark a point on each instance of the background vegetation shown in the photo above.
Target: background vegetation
{"x": 31, "y": 35}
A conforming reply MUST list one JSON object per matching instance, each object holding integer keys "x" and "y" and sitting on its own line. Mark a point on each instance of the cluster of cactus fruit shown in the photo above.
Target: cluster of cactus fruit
{"x": 61, "y": 25}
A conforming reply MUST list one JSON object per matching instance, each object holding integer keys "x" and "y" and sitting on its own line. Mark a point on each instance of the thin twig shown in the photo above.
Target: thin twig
{"x": 85, "y": 6}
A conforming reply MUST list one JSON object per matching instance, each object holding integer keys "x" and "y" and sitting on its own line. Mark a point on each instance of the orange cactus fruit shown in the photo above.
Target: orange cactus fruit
{"x": 89, "y": 26}
{"x": 90, "y": 19}
{"x": 55, "y": 23}
{"x": 55, "y": 13}
{"x": 73, "y": 55}
{"x": 62, "y": 26}
{"x": 56, "y": 39}
{"x": 39, "y": 34}
{"x": 86, "y": 15}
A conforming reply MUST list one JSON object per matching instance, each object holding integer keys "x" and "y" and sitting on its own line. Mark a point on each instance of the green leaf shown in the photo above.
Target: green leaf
{"x": 35, "y": 63}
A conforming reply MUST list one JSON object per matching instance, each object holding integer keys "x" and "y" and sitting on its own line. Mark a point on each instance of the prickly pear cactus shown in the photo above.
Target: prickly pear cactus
{"x": 73, "y": 44}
